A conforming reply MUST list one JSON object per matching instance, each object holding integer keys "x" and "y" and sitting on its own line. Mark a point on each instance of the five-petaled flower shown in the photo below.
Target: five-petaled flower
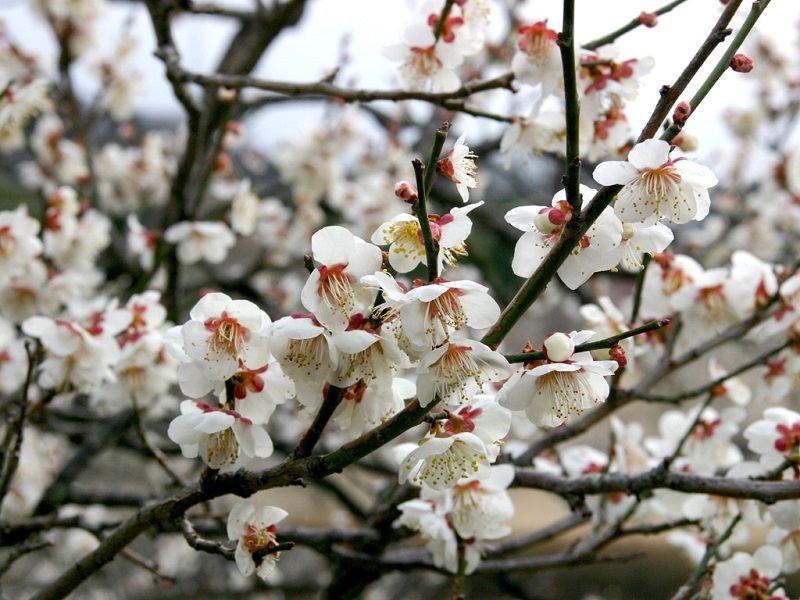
{"x": 254, "y": 531}
{"x": 657, "y": 186}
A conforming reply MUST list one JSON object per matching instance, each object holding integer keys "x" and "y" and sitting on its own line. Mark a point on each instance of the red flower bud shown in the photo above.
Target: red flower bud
{"x": 741, "y": 63}
{"x": 681, "y": 113}
{"x": 406, "y": 192}
{"x": 648, "y": 19}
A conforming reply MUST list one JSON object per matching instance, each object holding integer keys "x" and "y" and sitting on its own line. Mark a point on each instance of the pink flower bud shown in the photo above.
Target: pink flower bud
{"x": 617, "y": 353}
{"x": 648, "y": 19}
{"x": 681, "y": 113}
{"x": 406, "y": 192}
{"x": 741, "y": 63}
{"x": 558, "y": 347}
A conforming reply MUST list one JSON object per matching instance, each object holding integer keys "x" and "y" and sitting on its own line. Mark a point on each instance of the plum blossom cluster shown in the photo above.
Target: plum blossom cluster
{"x": 380, "y": 359}
{"x": 435, "y": 46}
{"x": 605, "y": 84}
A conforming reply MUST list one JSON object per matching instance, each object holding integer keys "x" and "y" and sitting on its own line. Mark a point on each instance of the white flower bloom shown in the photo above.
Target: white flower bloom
{"x": 775, "y": 438}
{"x": 201, "y": 240}
{"x": 463, "y": 447}
{"x": 656, "y": 186}
{"x": 221, "y": 333}
{"x": 18, "y": 103}
{"x": 538, "y": 59}
{"x": 253, "y": 529}
{"x": 366, "y": 406}
{"x": 217, "y": 435}
{"x": 366, "y": 354}
{"x": 428, "y": 312}
{"x": 637, "y": 240}
{"x": 553, "y": 390}
{"x": 459, "y": 167}
{"x": 306, "y": 353}
{"x": 482, "y": 508}
{"x": 406, "y": 246}
{"x": 543, "y": 226}
{"x": 745, "y": 576}
{"x": 13, "y": 359}
{"x": 428, "y": 65}
{"x": 333, "y": 292}
{"x": 457, "y": 370}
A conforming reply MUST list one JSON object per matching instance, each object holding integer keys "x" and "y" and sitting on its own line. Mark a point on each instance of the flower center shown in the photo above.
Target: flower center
{"x": 335, "y": 288}
{"x": 228, "y": 335}
{"x": 255, "y": 539}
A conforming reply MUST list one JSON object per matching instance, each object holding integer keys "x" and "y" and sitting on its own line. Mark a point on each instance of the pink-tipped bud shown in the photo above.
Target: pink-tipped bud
{"x": 741, "y": 63}
{"x": 648, "y": 19}
{"x": 558, "y": 347}
{"x": 406, "y": 192}
{"x": 549, "y": 220}
{"x": 617, "y": 353}
{"x": 681, "y": 113}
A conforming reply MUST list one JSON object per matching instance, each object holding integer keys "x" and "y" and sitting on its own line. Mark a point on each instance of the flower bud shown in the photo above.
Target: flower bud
{"x": 741, "y": 63}
{"x": 686, "y": 141}
{"x": 617, "y": 353}
{"x": 681, "y": 113}
{"x": 549, "y": 220}
{"x": 227, "y": 95}
{"x": 558, "y": 347}
{"x": 406, "y": 192}
{"x": 648, "y": 19}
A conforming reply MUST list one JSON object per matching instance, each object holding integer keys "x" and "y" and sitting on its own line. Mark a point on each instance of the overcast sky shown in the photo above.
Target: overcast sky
{"x": 309, "y": 51}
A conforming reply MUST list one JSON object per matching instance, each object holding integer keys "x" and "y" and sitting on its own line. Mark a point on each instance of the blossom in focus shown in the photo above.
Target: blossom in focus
{"x": 656, "y": 186}
{"x": 306, "y": 353}
{"x": 566, "y": 383}
{"x": 406, "y": 245}
{"x": 333, "y": 291}
{"x": 254, "y": 531}
{"x": 429, "y": 312}
{"x": 217, "y": 434}
{"x": 543, "y": 227}
{"x": 457, "y": 370}
{"x": 459, "y": 167}
{"x": 219, "y": 334}
{"x": 461, "y": 447}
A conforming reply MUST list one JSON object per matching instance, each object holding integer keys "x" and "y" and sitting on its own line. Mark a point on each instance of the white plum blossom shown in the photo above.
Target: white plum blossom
{"x": 427, "y": 65}
{"x": 543, "y": 227}
{"x": 366, "y": 406}
{"x": 406, "y": 245}
{"x": 221, "y": 332}
{"x": 566, "y": 383}
{"x": 457, "y": 370}
{"x": 333, "y": 292}
{"x": 775, "y": 437}
{"x": 200, "y": 240}
{"x": 462, "y": 447}
{"x": 745, "y": 576}
{"x": 429, "y": 312}
{"x": 656, "y": 186}
{"x": 254, "y": 531}
{"x": 638, "y": 240}
{"x": 366, "y": 354}
{"x": 218, "y": 435}
{"x": 538, "y": 58}
{"x": 459, "y": 167}
{"x": 305, "y": 352}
